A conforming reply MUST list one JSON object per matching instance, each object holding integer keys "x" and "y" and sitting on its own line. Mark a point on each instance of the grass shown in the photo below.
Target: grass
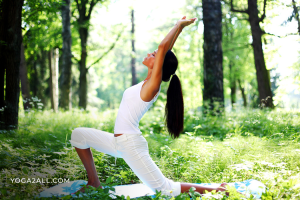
{"x": 245, "y": 144}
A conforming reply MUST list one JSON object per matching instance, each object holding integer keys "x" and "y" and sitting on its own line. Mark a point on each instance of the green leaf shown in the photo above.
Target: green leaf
{"x": 109, "y": 180}
{"x": 25, "y": 170}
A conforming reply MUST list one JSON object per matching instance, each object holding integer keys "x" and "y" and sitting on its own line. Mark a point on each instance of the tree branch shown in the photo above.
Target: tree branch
{"x": 77, "y": 4}
{"x": 93, "y": 3}
{"x": 247, "y": 19}
{"x": 239, "y": 11}
{"x": 75, "y": 58}
{"x": 236, "y": 48}
{"x": 265, "y": 33}
{"x": 264, "y": 15}
{"x": 111, "y": 47}
{"x": 296, "y": 13}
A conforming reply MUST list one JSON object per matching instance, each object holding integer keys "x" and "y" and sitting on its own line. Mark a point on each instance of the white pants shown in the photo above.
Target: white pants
{"x": 133, "y": 148}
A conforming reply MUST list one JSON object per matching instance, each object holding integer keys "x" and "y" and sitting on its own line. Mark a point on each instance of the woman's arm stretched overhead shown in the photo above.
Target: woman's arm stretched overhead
{"x": 176, "y": 36}
{"x": 167, "y": 43}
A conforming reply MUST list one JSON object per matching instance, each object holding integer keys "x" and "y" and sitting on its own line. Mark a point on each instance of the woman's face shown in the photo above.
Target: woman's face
{"x": 149, "y": 60}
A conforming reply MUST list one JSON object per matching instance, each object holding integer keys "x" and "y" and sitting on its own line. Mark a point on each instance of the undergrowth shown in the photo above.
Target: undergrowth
{"x": 245, "y": 144}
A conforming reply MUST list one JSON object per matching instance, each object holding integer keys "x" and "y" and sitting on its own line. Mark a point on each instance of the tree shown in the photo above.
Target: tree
{"x": 134, "y": 81}
{"x": 237, "y": 54}
{"x": 65, "y": 99}
{"x": 213, "y": 55}
{"x": 262, "y": 75}
{"x": 228, "y": 37}
{"x": 24, "y": 80}
{"x": 53, "y": 66}
{"x": 296, "y": 14}
{"x": 84, "y": 8}
{"x": 41, "y": 32}
{"x": 10, "y": 50}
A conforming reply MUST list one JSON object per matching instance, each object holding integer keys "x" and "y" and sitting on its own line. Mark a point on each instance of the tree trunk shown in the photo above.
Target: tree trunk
{"x": 213, "y": 56}
{"x": 232, "y": 85}
{"x": 53, "y": 66}
{"x": 83, "y": 70}
{"x": 24, "y": 80}
{"x": 50, "y": 60}
{"x": 41, "y": 91}
{"x": 243, "y": 92}
{"x": 11, "y": 39}
{"x": 34, "y": 79}
{"x": 134, "y": 81}
{"x": 2, "y": 68}
{"x": 296, "y": 12}
{"x": 2, "y": 83}
{"x": 65, "y": 98}
{"x": 263, "y": 80}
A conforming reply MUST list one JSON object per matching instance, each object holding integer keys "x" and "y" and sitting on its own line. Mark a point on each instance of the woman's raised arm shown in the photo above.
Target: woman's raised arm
{"x": 166, "y": 44}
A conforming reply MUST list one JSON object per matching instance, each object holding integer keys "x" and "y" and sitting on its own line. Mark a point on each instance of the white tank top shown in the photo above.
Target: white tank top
{"x": 131, "y": 110}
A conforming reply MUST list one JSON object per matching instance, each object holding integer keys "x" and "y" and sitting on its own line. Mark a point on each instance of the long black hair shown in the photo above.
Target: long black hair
{"x": 174, "y": 109}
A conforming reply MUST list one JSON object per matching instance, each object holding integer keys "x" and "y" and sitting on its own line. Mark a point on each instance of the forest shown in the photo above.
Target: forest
{"x": 66, "y": 64}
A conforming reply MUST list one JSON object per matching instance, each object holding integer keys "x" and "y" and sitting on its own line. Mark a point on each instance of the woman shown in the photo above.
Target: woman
{"x": 128, "y": 142}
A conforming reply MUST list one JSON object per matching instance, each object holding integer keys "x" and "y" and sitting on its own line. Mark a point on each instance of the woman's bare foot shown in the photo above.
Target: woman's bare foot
{"x": 222, "y": 188}
{"x": 96, "y": 185}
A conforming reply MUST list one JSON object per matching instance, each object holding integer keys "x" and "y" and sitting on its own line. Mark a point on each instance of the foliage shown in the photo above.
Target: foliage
{"x": 258, "y": 144}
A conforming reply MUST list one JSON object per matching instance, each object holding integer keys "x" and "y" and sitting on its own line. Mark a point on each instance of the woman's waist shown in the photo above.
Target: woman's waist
{"x": 117, "y": 135}
{"x": 125, "y": 129}
{"x": 133, "y": 133}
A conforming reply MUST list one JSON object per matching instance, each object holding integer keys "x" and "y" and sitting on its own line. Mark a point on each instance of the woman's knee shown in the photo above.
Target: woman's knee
{"x": 77, "y": 135}
{"x": 170, "y": 188}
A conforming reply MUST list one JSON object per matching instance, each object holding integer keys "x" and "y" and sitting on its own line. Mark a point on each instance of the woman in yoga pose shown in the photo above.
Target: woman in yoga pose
{"x": 127, "y": 141}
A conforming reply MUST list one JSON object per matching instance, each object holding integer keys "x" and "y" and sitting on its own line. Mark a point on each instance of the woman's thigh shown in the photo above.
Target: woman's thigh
{"x": 102, "y": 141}
{"x": 135, "y": 152}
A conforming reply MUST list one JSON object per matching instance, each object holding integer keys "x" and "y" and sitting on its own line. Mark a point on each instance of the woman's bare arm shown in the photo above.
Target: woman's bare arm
{"x": 176, "y": 36}
{"x": 164, "y": 46}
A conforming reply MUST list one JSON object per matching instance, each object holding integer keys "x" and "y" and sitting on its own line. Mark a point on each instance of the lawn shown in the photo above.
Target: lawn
{"x": 244, "y": 144}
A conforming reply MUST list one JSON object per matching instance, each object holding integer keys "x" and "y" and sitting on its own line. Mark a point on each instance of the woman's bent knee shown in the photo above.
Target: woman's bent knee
{"x": 77, "y": 139}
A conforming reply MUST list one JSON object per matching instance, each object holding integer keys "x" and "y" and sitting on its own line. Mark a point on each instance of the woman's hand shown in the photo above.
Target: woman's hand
{"x": 185, "y": 22}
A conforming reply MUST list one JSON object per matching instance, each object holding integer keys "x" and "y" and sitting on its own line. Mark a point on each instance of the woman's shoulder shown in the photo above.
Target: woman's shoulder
{"x": 148, "y": 93}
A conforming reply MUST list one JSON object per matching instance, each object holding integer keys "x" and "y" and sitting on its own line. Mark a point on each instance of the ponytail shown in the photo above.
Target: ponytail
{"x": 174, "y": 108}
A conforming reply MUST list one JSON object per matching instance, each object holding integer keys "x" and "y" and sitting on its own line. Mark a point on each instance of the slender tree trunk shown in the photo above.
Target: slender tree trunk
{"x": 83, "y": 70}
{"x": 213, "y": 55}
{"x": 134, "y": 81}
{"x": 53, "y": 66}
{"x": 11, "y": 39}
{"x": 243, "y": 93}
{"x": 232, "y": 85}
{"x": 55, "y": 78}
{"x": 35, "y": 79}
{"x": 296, "y": 12}
{"x": 2, "y": 68}
{"x": 65, "y": 98}
{"x": 50, "y": 60}
{"x": 41, "y": 91}
{"x": 24, "y": 80}
{"x": 263, "y": 79}
{"x": 2, "y": 83}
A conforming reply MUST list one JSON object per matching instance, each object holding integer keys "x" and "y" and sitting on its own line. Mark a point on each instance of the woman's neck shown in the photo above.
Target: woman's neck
{"x": 148, "y": 75}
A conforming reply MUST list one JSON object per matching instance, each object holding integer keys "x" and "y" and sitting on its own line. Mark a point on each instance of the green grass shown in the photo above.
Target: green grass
{"x": 256, "y": 144}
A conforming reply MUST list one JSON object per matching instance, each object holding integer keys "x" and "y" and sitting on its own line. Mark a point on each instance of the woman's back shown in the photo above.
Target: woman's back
{"x": 131, "y": 110}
